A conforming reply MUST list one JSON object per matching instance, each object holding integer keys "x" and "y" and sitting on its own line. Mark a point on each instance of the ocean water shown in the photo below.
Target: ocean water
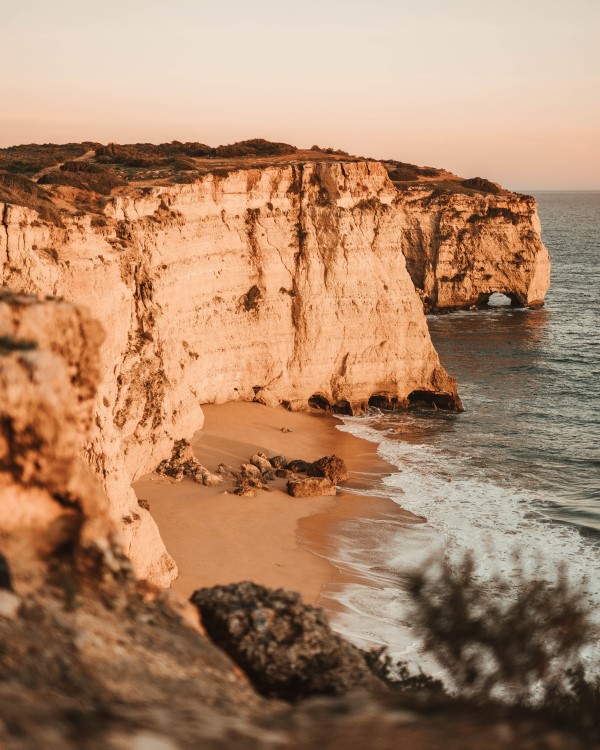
{"x": 519, "y": 469}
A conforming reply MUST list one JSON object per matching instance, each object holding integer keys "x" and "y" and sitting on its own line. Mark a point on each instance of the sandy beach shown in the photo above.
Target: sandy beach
{"x": 217, "y": 537}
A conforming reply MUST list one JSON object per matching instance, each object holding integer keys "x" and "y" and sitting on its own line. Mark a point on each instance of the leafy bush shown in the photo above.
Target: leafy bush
{"x": 89, "y": 167}
{"x": 329, "y": 150}
{"x": 101, "y": 181}
{"x": 517, "y": 637}
{"x": 397, "y": 674}
{"x": 150, "y": 155}
{"x": 255, "y": 147}
{"x": 400, "y": 171}
{"x": 158, "y": 155}
{"x": 482, "y": 185}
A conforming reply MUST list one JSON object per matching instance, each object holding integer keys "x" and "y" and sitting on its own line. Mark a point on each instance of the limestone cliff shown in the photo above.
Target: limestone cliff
{"x": 48, "y": 377}
{"x": 462, "y": 247}
{"x": 285, "y": 284}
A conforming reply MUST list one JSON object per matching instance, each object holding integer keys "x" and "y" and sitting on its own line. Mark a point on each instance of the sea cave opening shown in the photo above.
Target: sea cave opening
{"x": 342, "y": 407}
{"x": 500, "y": 299}
{"x": 380, "y": 401}
{"x": 431, "y": 399}
{"x": 317, "y": 401}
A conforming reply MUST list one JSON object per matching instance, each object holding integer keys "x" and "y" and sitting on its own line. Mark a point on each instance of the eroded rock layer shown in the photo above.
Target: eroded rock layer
{"x": 286, "y": 284}
{"x": 462, "y": 248}
{"x": 49, "y": 370}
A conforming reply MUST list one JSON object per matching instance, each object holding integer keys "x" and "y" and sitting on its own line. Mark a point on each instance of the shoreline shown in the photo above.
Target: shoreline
{"x": 273, "y": 539}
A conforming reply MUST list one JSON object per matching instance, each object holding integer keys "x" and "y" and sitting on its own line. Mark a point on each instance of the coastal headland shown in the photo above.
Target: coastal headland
{"x": 252, "y": 272}
{"x": 133, "y": 312}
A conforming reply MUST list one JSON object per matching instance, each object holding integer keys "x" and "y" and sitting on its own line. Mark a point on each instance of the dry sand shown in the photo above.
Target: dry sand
{"x": 219, "y": 538}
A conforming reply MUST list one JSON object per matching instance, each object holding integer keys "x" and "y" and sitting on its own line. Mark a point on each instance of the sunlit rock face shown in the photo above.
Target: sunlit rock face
{"x": 293, "y": 284}
{"x": 462, "y": 248}
{"x": 49, "y": 371}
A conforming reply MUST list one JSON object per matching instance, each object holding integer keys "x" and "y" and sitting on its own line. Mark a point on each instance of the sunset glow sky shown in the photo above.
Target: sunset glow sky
{"x": 509, "y": 90}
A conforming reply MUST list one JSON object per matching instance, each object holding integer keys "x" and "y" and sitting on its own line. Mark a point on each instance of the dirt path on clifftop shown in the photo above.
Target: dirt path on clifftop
{"x": 84, "y": 157}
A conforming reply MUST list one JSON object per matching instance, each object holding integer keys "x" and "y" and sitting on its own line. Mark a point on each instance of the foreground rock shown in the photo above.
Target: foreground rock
{"x": 286, "y": 648}
{"x": 332, "y": 467}
{"x": 310, "y": 487}
{"x": 49, "y": 372}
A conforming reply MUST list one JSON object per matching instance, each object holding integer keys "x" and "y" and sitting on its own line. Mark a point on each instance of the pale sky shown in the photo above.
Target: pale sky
{"x": 508, "y": 90}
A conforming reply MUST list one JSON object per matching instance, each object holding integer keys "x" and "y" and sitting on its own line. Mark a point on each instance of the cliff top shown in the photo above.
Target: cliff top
{"x": 49, "y": 177}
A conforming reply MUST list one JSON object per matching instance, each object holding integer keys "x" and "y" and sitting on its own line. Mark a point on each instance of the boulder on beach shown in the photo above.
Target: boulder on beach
{"x": 286, "y": 648}
{"x": 261, "y": 462}
{"x": 248, "y": 484}
{"x": 245, "y": 490}
{"x": 278, "y": 462}
{"x": 182, "y": 463}
{"x": 250, "y": 470}
{"x": 333, "y": 467}
{"x": 211, "y": 480}
{"x": 298, "y": 466}
{"x": 310, "y": 487}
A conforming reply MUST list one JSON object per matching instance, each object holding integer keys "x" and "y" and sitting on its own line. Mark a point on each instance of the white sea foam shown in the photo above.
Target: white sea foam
{"x": 465, "y": 510}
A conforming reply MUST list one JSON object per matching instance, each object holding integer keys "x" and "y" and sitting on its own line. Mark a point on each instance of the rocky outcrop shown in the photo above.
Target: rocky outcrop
{"x": 461, "y": 248}
{"x": 286, "y": 284}
{"x": 333, "y": 467}
{"x": 286, "y": 648}
{"x": 49, "y": 371}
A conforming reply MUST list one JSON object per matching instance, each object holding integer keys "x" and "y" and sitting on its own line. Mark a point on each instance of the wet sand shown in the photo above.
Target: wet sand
{"x": 217, "y": 537}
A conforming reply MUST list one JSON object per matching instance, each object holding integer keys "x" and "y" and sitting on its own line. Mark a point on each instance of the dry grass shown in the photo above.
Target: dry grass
{"x": 21, "y": 191}
{"x": 31, "y": 158}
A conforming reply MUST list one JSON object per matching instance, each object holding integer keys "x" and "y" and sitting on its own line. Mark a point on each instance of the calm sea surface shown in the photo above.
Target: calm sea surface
{"x": 520, "y": 468}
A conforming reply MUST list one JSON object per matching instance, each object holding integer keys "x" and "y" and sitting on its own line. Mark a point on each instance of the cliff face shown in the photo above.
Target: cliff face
{"x": 48, "y": 377}
{"x": 286, "y": 284}
{"x": 461, "y": 248}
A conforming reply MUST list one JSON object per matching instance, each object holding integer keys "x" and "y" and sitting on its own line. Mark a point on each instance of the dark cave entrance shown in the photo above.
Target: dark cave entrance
{"x": 380, "y": 401}
{"x": 317, "y": 401}
{"x": 431, "y": 400}
{"x": 342, "y": 407}
{"x": 500, "y": 299}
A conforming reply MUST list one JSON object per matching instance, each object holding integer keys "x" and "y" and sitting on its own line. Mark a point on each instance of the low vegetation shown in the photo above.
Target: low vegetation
{"x": 516, "y": 640}
{"x": 21, "y": 191}
{"x": 330, "y": 151}
{"x": 31, "y": 158}
{"x": 400, "y": 171}
{"x": 175, "y": 153}
{"x": 151, "y": 155}
{"x": 482, "y": 185}
{"x": 254, "y": 147}
{"x": 83, "y": 175}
